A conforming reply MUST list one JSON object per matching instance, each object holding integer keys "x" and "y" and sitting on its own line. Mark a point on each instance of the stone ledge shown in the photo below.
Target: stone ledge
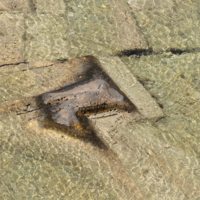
{"x": 129, "y": 85}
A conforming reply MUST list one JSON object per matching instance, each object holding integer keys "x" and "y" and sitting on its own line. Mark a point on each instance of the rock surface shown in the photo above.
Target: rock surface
{"x": 152, "y": 44}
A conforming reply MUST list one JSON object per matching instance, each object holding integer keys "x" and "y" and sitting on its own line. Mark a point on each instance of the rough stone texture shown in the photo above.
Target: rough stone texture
{"x": 19, "y": 5}
{"x": 188, "y": 73}
{"x": 44, "y": 38}
{"x": 11, "y": 32}
{"x": 129, "y": 85}
{"x": 168, "y": 79}
{"x": 130, "y": 36}
{"x": 87, "y": 28}
{"x": 142, "y": 5}
{"x": 37, "y": 78}
{"x": 161, "y": 155}
{"x": 39, "y": 163}
{"x": 146, "y": 158}
{"x": 175, "y": 26}
{"x": 50, "y": 6}
{"x": 163, "y": 78}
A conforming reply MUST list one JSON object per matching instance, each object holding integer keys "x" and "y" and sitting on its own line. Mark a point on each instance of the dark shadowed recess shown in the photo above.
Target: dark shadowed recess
{"x": 92, "y": 70}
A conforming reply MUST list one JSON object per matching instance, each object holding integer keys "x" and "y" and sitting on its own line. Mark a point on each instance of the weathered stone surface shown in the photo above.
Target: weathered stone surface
{"x": 40, "y": 163}
{"x": 19, "y": 5}
{"x": 168, "y": 79}
{"x": 24, "y": 66}
{"x": 129, "y": 85}
{"x": 146, "y": 159}
{"x": 87, "y": 28}
{"x": 11, "y": 32}
{"x": 44, "y": 37}
{"x": 50, "y": 6}
{"x": 37, "y": 78}
{"x": 175, "y": 26}
{"x": 145, "y": 156}
{"x": 138, "y": 5}
{"x": 130, "y": 36}
{"x": 161, "y": 155}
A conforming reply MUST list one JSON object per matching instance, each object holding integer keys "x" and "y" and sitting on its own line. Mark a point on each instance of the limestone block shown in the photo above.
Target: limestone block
{"x": 146, "y": 156}
{"x": 172, "y": 80}
{"x": 44, "y": 37}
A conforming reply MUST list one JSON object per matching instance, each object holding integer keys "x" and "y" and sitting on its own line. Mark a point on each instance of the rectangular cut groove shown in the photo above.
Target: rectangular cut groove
{"x": 129, "y": 85}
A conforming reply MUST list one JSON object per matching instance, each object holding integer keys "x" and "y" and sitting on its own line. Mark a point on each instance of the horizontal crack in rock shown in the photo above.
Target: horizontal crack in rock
{"x": 13, "y": 64}
{"x": 147, "y": 52}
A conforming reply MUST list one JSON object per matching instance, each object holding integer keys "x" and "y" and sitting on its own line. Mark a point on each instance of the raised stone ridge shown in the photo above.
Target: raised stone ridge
{"x": 134, "y": 90}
